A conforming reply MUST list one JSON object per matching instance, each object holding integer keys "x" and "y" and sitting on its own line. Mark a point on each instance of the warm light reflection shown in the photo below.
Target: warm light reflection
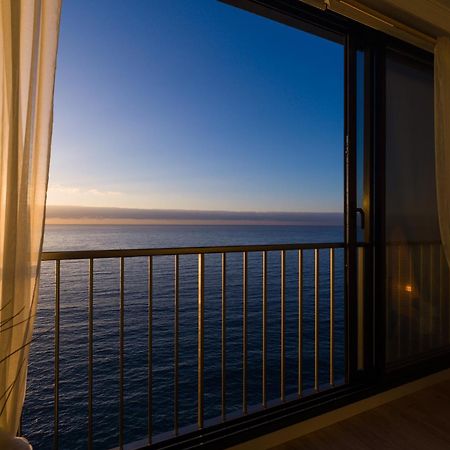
{"x": 408, "y": 288}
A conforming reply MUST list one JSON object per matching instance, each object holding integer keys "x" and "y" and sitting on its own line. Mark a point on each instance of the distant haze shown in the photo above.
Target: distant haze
{"x": 99, "y": 215}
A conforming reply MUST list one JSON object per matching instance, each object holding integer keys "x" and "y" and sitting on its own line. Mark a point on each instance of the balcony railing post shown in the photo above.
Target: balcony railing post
{"x": 121, "y": 352}
{"x": 244, "y": 331}
{"x": 56, "y": 350}
{"x": 282, "y": 326}
{"x": 176, "y": 333}
{"x": 224, "y": 335}
{"x": 442, "y": 266}
{"x": 200, "y": 352}
{"x": 432, "y": 279}
{"x": 316, "y": 320}
{"x": 421, "y": 305}
{"x": 264, "y": 329}
{"x": 91, "y": 354}
{"x": 410, "y": 303}
{"x": 300, "y": 323}
{"x": 331, "y": 316}
{"x": 399, "y": 302}
{"x": 150, "y": 351}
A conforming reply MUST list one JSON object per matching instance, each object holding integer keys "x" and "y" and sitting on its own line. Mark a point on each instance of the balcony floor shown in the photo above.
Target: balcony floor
{"x": 420, "y": 420}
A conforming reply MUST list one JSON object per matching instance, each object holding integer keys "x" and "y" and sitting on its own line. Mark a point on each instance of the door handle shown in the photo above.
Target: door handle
{"x": 363, "y": 217}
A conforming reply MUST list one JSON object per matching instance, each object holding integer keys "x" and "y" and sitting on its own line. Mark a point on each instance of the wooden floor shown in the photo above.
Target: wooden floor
{"x": 417, "y": 421}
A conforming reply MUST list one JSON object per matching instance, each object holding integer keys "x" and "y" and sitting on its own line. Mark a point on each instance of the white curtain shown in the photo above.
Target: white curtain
{"x": 442, "y": 137}
{"x": 28, "y": 45}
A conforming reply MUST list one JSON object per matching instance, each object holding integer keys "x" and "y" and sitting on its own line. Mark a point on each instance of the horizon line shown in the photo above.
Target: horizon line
{"x": 90, "y": 215}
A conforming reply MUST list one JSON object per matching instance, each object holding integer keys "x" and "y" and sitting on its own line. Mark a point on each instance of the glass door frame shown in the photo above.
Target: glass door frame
{"x": 373, "y": 370}
{"x": 359, "y": 175}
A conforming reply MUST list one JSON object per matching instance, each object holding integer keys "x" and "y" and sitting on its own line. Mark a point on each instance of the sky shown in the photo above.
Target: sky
{"x": 194, "y": 105}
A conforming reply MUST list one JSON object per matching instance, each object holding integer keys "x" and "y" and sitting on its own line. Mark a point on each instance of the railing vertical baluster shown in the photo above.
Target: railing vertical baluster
{"x": 150, "y": 351}
{"x": 91, "y": 354}
{"x": 200, "y": 369}
{"x": 244, "y": 331}
{"x": 410, "y": 303}
{"x": 224, "y": 334}
{"x": 282, "y": 325}
{"x": 121, "y": 352}
{"x": 264, "y": 329}
{"x": 316, "y": 320}
{"x": 431, "y": 298}
{"x": 176, "y": 332}
{"x": 300, "y": 323}
{"x": 332, "y": 316}
{"x": 419, "y": 287}
{"x": 399, "y": 303}
{"x": 447, "y": 272}
{"x": 387, "y": 294}
{"x": 56, "y": 368}
{"x": 442, "y": 262}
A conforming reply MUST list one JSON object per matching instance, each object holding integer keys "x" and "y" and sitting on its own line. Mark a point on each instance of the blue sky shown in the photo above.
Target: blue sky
{"x": 194, "y": 104}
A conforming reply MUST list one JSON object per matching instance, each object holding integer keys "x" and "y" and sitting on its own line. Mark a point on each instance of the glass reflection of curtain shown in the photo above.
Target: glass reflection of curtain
{"x": 28, "y": 45}
{"x": 417, "y": 275}
{"x": 442, "y": 137}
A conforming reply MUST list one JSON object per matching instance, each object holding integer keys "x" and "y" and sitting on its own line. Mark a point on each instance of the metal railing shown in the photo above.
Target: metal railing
{"x": 316, "y": 250}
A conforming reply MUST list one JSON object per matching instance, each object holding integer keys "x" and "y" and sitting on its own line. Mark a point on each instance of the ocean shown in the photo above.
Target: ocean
{"x": 37, "y": 423}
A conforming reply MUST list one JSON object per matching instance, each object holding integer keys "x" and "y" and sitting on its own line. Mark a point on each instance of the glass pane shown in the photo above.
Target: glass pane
{"x": 417, "y": 275}
{"x": 361, "y": 195}
{"x": 360, "y": 156}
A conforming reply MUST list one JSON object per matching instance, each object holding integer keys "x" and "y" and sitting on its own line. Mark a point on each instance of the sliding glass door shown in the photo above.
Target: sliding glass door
{"x": 357, "y": 156}
{"x": 417, "y": 275}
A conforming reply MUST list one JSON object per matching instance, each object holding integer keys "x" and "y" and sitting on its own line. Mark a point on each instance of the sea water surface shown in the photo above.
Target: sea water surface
{"x": 38, "y": 412}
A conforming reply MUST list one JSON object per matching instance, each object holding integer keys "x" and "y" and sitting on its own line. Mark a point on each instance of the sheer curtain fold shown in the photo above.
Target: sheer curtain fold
{"x": 442, "y": 137}
{"x": 28, "y": 46}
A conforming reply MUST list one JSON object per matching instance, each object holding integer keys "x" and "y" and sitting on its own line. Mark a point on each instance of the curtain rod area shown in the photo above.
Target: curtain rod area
{"x": 374, "y": 19}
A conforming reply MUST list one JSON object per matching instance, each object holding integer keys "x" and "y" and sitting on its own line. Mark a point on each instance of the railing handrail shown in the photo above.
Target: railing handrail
{"x": 169, "y": 251}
